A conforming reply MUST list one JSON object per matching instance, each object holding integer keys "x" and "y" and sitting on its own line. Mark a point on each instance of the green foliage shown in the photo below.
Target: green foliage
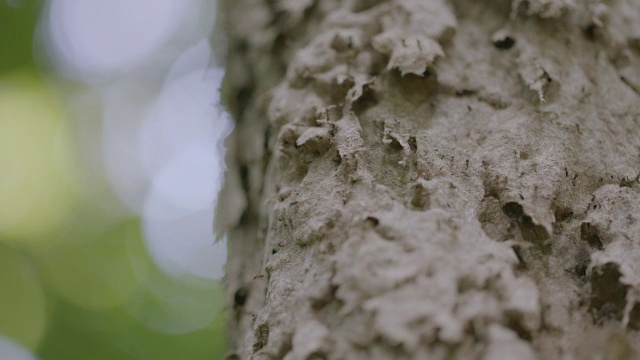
{"x": 76, "y": 281}
{"x": 17, "y": 26}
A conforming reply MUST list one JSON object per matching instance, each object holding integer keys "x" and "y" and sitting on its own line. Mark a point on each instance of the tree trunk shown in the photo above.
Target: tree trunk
{"x": 433, "y": 179}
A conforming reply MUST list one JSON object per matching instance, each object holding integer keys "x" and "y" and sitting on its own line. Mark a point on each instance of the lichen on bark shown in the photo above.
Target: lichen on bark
{"x": 434, "y": 179}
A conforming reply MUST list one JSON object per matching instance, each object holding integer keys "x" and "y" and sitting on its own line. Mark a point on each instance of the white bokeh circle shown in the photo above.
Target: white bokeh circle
{"x": 14, "y": 351}
{"x": 95, "y": 40}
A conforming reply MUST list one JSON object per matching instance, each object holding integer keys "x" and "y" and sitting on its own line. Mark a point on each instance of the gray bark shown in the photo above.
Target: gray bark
{"x": 413, "y": 179}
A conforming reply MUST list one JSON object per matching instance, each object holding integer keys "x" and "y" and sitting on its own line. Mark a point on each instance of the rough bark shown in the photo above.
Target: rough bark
{"x": 413, "y": 179}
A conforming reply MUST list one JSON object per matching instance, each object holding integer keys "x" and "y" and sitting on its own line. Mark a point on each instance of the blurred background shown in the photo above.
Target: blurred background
{"x": 111, "y": 160}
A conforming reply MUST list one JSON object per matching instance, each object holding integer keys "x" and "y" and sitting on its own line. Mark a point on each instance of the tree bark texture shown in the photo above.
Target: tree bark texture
{"x": 433, "y": 179}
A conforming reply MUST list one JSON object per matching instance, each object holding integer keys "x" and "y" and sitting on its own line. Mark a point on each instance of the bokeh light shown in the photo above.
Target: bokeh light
{"x": 23, "y": 301}
{"x": 97, "y": 40}
{"x": 111, "y": 132}
{"x": 94, "y": 272}
{"x": 36, "y": 158}
{"x": 125, "y": 103}
{"x": 12, "y": 350}
{"x": 161, "y": 128}
{"x": 172, "y": 304}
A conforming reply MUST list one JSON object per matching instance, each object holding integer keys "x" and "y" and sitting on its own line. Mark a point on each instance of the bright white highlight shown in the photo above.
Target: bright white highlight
{"x": 96, "y": 40}
{"x": 179, "y": 150}
{"x": 162, "y": 124}
{"x": 125, "y": 103}
{"x": 12, "y": 350}
{"x": 179, "y": 213}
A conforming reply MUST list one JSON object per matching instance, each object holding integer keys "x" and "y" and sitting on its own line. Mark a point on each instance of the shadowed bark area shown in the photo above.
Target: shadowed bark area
{"x": 437, "y": 179}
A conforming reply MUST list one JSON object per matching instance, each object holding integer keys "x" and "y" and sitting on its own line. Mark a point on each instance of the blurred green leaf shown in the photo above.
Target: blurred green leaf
{"x": 94, "y": 272}
{"x": 113, "y": 334}
{"x": 17, "y": 26}
{"x": 23, "y": 314}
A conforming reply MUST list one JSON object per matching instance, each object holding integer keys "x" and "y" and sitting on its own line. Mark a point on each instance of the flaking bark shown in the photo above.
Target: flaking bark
{"x": 413, "y": 179}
